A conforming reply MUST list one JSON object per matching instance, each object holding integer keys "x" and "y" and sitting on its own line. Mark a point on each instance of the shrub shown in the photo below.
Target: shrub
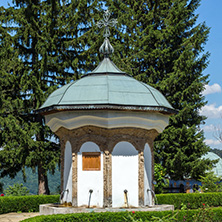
{"x": 210, "y": 183}
{"x": 97, "y": 217}
{"x": 191, "y": 200}
{"x": 17, "y": 190}
{"x": 25, "y": 203}
{"x": 161, "y": 181}
{"x": 213, "y": 215}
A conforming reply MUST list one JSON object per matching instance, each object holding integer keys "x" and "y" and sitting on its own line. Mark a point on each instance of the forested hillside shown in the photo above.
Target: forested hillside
{"x": 32, "y": 181}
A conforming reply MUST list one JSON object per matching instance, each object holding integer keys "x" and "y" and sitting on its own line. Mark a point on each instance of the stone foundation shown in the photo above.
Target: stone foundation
{"x": 49, "y": 209}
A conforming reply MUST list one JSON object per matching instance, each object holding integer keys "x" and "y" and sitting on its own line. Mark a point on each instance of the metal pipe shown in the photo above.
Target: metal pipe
{"x": 155, "y": 199}
{"x": 126, "y": 204}
{"x": 90, "y": 194}
{"x": 62, "y": 194}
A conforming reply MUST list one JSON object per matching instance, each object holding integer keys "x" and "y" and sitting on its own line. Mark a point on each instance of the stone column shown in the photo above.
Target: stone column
{"x": 107, "y": 179}
{"x": 63, "y": 139}
{"x": 74, "y": 180}
{"x": 150, "y": 142}
{"x": 141, "y": 178}
{"x": 62, "y": 145}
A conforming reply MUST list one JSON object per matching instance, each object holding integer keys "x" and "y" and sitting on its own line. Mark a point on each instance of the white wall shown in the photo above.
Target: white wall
{"x": 124, "y": 174}
{"x": 107, "y": 119}
{"x": 147, "y": 176}
{"x": 90, "y": 179}
{"x": 67, "y": 176}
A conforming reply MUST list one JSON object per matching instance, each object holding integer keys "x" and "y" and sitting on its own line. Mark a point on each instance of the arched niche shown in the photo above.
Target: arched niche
{"x": 90, "y": 175}
{"x": 124, "y": 175}
{"x": 148, "y": 193}
{"x": 67, "y": 175}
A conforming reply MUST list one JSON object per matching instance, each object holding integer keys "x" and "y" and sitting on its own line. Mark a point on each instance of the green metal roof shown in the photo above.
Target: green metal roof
{"x": 106, "y": 66}
{"x": 107, "y": 87}
{"x": 218, "y": 167}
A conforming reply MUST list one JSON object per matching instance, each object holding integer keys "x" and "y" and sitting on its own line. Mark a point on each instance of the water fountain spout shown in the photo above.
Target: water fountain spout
{"x": 90, "y": 194}
{"x": 126, "y": 204}
{"x": 153, "y": 193}
{"x": 62, "y": 195}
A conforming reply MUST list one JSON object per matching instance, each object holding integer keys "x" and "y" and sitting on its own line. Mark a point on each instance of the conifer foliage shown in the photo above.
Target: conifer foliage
{"x": 44, "y": 44}
{"x": 47, "y": 43}
{"x": 160, "y": 43}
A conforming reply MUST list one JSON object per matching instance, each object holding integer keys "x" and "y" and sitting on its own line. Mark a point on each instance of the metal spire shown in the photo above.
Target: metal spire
{"x": 106, "y": 48}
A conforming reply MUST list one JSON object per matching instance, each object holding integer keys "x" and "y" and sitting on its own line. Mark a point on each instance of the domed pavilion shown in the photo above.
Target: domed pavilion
{"x": 107, "y": 122}
{"x": 217, "y": 169}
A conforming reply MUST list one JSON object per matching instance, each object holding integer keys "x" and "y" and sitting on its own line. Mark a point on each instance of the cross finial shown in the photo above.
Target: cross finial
{"x": 106, "y": 22}
{"x": 106, "y": 48}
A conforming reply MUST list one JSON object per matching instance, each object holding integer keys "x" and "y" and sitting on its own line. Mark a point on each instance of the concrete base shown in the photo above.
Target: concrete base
{"x": 49, "y": 209}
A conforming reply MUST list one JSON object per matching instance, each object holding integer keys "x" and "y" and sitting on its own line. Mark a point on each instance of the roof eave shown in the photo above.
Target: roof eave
{"x": 58, "y": 108}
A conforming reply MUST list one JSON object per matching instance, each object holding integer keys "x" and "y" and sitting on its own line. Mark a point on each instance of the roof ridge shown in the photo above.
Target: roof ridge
{"x": 67, "y": 89}
{"x": 142, "y": 83}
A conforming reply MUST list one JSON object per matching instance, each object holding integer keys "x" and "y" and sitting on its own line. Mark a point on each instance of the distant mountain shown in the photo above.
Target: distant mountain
{"x": 32, "y": 181}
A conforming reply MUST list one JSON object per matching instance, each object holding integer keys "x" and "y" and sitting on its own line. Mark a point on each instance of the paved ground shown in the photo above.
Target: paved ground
{"x": 16, "y": 217}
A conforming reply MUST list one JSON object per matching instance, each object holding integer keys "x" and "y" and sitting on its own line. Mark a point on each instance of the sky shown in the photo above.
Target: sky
{"x": 209, "y": 12}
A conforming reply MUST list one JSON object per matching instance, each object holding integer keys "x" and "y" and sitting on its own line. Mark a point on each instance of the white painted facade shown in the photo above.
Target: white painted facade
{"x": 90, "y": 180}
{"x": 124, "y": 174}
{"x": 67, "y": 176}
{"x": 147, "y": 176}
{"x": 109, "y": 119}
{"x": 125, "y": 159}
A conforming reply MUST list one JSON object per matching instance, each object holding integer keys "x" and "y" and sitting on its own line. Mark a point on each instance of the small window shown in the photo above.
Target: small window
{"x": 90, "y": 161}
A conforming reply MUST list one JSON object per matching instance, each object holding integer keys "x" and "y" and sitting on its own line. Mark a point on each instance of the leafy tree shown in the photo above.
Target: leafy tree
{"x": 17, "y": 190}
{"x": 218, "y": 133}
{"x": 49, "y": 43}
{"x": 210, "y": 183}
{"x": 160, "y": 178}
{"x": 159, "y": 42}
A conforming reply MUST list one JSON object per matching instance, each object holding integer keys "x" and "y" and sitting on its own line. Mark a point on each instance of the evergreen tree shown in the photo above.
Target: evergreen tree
{"x": 10, "y": 104}
{"x": 160, "y": 43}
{"x": 50, "y": 43}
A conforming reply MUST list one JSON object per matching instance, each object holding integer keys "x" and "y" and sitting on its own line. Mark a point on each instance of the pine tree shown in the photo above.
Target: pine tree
{"x": 22, "y": 131}
{"x": 10, "y": 100}
{"x": 50, "y": 43}
{"x": 160, "y": 43}
{"x": 54, "y": 42}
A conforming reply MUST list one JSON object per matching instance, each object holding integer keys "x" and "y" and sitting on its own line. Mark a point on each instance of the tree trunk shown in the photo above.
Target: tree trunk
{"x": 43, "y": 181}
